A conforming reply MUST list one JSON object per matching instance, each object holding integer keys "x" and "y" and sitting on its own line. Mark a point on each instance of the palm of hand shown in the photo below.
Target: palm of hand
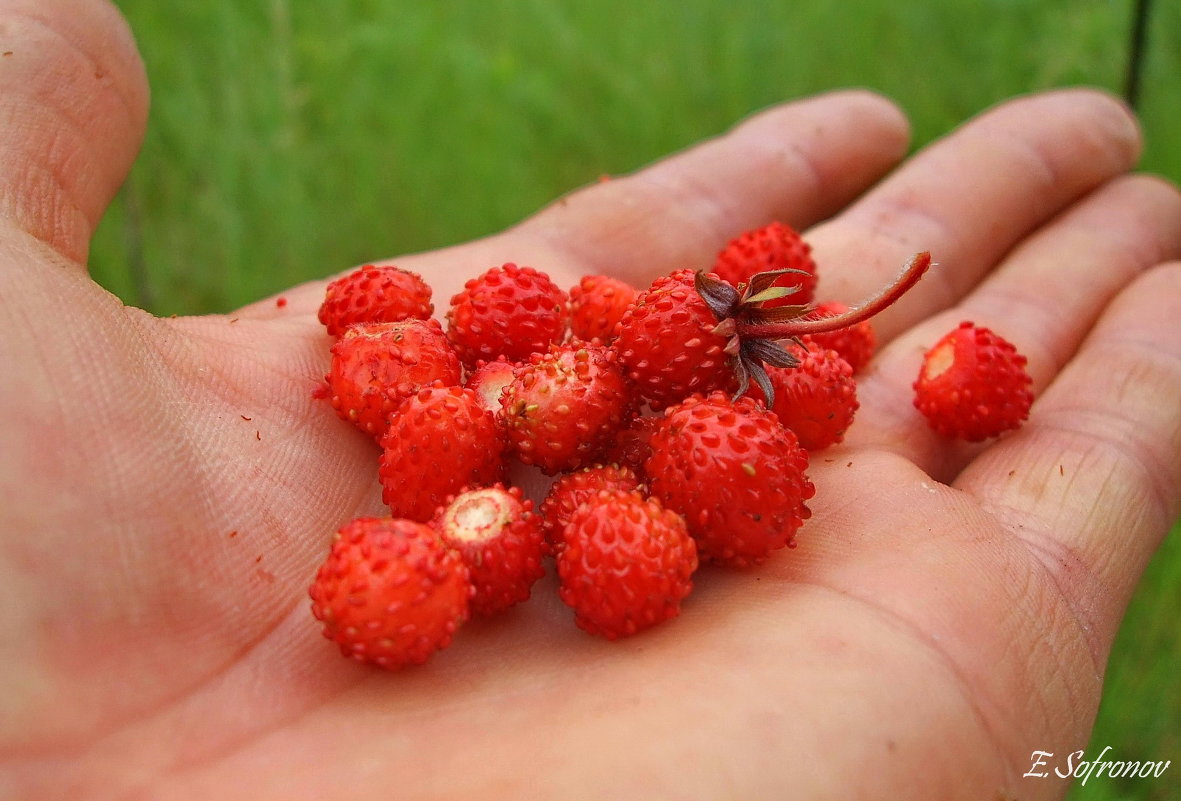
{"x": 171, "y": 485}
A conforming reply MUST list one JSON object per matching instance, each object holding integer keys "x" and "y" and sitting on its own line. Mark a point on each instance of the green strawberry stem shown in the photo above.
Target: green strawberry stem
{"x": 799, "y": 325}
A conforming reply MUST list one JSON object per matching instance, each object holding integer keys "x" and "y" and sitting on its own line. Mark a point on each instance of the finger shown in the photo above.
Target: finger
{"x": 73, "y": 100}
{"x": 970, "y": 197}
{"x": 798, "y": 163}
{"x": 1044, "y": 298}
{"x": 1091, "y": 484}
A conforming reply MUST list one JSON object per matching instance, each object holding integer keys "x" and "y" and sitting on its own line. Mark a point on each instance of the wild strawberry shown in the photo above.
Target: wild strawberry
{"x": 775, "y": 246}
{"x": 597, "y": 305}
{"x": 509, "y": 310}
{"x": 573, "y": 489}
{"x": 817, "y": 398}
{"x": 855, "y": 343}
{"x": 565, "y": 406}
{"x": 390, "y": 593}
{"x": 631, "y": 446}
{"x": 667, "y": 342}
{"x": 696, "y": 333}
{"x": 375, "y": 294}
{"x": 498, "y": 536}
{"x": 376, "y": 365}
{"x": 734, "y": 472}
{"x": 625, "y": 565}
{"x": 973, "y": 385}
{"x": 489, "y": 379}
{"x": 440, "y": 440}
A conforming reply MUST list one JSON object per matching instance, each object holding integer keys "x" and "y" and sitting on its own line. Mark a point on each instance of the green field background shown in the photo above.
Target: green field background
{"x": 290, "y": 139}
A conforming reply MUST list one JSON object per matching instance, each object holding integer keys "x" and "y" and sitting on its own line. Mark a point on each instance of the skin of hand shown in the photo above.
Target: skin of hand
{"x": 168, "y": 486}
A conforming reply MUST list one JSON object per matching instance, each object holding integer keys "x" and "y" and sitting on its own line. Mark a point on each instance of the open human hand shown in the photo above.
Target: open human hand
{"x": 167, "y": 486}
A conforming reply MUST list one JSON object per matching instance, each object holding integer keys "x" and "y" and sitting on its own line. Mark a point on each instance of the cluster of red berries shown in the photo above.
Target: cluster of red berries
{"x": 677, "y": 421}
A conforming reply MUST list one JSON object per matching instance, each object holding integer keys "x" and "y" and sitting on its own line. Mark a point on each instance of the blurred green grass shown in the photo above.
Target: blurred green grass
{"x": 289, "y": 140}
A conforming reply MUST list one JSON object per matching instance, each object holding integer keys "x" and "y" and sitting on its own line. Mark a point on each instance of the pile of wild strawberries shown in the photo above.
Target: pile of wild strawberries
{"x": 677, "y": 421}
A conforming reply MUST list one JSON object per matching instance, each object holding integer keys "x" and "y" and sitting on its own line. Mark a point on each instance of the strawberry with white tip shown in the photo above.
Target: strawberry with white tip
{"x": 498, "y": 536}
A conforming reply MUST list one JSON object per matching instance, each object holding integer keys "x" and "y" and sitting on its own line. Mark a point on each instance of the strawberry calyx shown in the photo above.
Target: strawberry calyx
{"x": 754, "y": 332}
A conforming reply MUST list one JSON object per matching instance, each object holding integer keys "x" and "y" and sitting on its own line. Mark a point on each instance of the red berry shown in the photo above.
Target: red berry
{"x": 376, "y": 365}
{"x": 597, "y": 305}
{"x": 973, "y": 385}
{"x": 855, "y": 343}
{"x": 632, "y": 445}
{"x": 816, "y": 399}
{"x": 375, "y": 294}
{"x": 564, "y": 407}
{"x": 773, "y": 247}
{"x": 498, "y": 536}
{"x": 508, "y": 310}
{"x": 667, "y": 343}
{"x": 734, "y": 472}
{"x": 573, "y": 489}
{"x": 390, "y": 592}
{"x": 625, "y": 565}
{"x": 440, "y": 440}
{"x": 696, "y": 333}
{"x": 489, "y": 379}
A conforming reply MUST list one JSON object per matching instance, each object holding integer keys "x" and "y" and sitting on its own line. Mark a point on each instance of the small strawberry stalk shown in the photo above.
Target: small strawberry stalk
{"x": 753, "y": 331}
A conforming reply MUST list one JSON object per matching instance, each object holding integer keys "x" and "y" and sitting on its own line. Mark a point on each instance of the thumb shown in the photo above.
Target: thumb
{"x": 73, "y": 101}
